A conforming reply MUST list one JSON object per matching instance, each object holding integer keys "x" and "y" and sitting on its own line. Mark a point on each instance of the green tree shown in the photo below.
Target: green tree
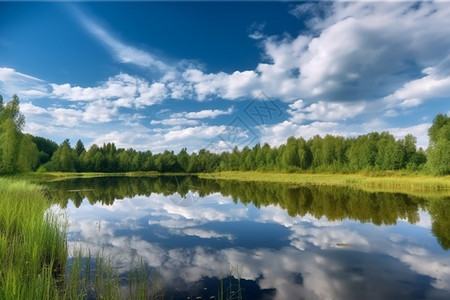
{"x": 12, "y": 111}
{"x": 45, "y": 147}
{"x": 124, "y": 161}
{"x": 11, "y": 124}
{"x": 315, "y": 144}
{"x": 390, "y": 153}
{"x": 304, "y": 154}
{"x": 435, "y": 132}
{"x": 439, "y": 157}
{"x": 79, "y": 147}
{"x": 9, "y": 145}
{"x": 290, "y": 158}
{"x": 439, "y": 148}
{"x": 183, "y": 159}
{"x": 28, "y": 155}
{"x": 64, "y": 158}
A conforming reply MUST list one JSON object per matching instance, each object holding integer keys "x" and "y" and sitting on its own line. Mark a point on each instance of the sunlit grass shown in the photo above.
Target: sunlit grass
{"x": 384, "y": 181}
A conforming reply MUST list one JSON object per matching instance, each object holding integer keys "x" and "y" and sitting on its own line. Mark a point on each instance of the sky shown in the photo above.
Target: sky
{"x": 214, "y": 75}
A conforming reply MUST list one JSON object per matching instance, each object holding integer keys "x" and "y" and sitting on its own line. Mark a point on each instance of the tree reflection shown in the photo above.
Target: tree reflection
{"x": 333, "y": 202}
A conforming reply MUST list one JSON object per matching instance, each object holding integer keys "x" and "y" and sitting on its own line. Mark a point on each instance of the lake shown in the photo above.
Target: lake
{"x": 263, "y": 240}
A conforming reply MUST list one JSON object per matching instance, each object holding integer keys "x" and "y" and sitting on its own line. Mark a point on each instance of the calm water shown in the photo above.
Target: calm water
{"x": 283, "y": 241}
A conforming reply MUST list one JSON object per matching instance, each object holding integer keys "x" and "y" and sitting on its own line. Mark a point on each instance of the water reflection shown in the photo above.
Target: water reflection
{"x": 289, "y": 242}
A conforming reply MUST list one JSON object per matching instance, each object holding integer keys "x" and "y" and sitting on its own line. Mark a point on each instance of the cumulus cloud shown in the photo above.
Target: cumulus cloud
{"x": 355, "y": 58}
{"x": 277, "y": 134}
{"x": 100, "y": 111}
{"x": 205, "y": 132}
{"x": 29, "y": 108}
{"x": 432, "y": 85}
{"x": 227, "y": 86}
{"x": 123, "y": 89}
{"x": 173, "y": 137}
{"x": 67, "y": 116}
{"x": 323, "y": 111}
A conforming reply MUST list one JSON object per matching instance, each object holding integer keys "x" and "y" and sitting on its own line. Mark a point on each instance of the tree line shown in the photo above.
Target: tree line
{"x": 373, "y": 151}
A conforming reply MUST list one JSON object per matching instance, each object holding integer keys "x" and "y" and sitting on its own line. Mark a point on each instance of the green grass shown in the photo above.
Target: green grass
{"x": 34, "y": 255}
{"x": 33, "y": 250}
{"x": 381, "y": 181}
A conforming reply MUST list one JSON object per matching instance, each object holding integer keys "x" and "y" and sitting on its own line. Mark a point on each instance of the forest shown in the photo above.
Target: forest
{"x": 375, "y": 151}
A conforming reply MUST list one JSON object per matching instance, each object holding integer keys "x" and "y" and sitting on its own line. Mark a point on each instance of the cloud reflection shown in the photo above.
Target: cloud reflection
{"x": 318, "y": 259}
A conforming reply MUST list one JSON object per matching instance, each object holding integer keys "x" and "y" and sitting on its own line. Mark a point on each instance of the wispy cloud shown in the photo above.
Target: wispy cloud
{"x": 123, "y": 52}
{"x": 25, "y": 86}
{"x": 203, "y": 114}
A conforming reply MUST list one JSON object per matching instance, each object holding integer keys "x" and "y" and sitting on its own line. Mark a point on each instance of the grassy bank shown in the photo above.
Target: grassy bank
{"x": 33, "y": 252}
{"x": 34, "y": 255}
{"x": 389, "y": 181}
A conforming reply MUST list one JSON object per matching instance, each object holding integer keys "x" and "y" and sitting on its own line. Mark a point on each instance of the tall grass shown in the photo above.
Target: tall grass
{"x": 34, "y": 255}
{"x": 33, "y": 249}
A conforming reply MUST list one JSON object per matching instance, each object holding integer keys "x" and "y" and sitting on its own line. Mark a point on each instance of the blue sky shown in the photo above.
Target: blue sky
{"x": 152, "y": 75}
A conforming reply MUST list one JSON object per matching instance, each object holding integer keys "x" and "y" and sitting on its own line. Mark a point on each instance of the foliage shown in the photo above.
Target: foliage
{"x": 17, "y": 152}
{"x": 439, "y": 149}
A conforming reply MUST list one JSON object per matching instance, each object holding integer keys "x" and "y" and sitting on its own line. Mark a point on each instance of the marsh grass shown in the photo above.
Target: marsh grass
{"x": 33, "y": 249}
{"x": 381, "y": 181}
{"x": 34, "y": 260}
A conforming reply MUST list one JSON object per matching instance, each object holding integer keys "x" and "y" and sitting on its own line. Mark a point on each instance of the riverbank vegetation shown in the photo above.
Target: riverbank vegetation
{"x": 33, "y": 251}
{"x": 386, "y": 181}
{"x": 34, "y": 260}
{"x": 369, "y": 152}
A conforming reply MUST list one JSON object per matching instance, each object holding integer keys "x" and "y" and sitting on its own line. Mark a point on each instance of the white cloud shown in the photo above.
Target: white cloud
{"x": 360, "y": 59}
{"x": 420, "y": 131}
{"x": 300, "y": 267}
{"x": 277, "y": 134}
{"x": 123, "y": 89}
{"x": 172, "y": 137}
{"x": 124, "y": 53}
{"x": 67, "y": 116}
{"x": 23, "y": 85}
{"x": 323, "y": 111}
{"x": 101, "y": 111}
{"x": 256, "y": 31}
{"x": 203, "y": 114}
{"x": 151, "y": 94}
{"x": 198, "y": 132}
{"x": 29, "y": 109}
{"x": 175, "y": 121}
{"x": 414, "y": 92}
{"x": 227, "y": 86}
